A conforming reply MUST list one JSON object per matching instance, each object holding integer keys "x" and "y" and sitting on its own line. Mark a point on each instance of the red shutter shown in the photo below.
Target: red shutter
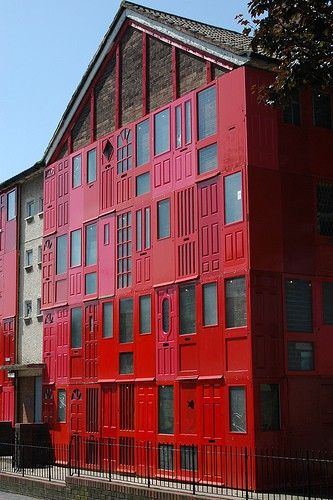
{"x": 50, "y": 201}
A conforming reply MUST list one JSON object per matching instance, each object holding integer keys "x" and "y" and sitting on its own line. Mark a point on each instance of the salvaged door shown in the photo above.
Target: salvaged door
{"x": 166, "y": 315}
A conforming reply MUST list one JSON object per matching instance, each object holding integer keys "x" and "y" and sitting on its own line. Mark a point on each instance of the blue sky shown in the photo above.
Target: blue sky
{"x": 45, "y": 46}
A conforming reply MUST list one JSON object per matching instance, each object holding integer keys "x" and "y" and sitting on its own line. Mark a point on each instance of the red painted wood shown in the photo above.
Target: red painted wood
{"x": 76, "y": 411}
{"x": 166, "y": 353}
{"x": 90, "y": 344}
{"x": 62, "y": 345}
{"x": 9, "y": 341}
{"x": 50, "y": 198}
{"x": 8, "y": 403}
{"x": 186, "y": 234}
{"x": 106, "y": 255}
{"x": 49, "y": 347}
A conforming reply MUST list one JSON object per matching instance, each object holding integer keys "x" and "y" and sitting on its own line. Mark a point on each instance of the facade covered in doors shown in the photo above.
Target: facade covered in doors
{"x": 187, "y": 271}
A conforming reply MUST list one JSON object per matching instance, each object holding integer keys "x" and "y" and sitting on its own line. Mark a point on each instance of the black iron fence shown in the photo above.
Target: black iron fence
{"x": 205, "y": 469}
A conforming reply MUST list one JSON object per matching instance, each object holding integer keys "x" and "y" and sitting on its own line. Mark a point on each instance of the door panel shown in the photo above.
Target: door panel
{"x": 50, "y": 197}
{"x": 166, "y": 316}
{"x": 62, "y": 369}
{"x": 90, "y": 345}
{"x": 186, "y": 234}
{"x": 76, "y": 412}
{"x": 48, "y": 264}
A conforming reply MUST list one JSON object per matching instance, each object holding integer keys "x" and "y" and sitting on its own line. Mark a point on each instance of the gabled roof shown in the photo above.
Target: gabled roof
{"x": 217, "y": 43}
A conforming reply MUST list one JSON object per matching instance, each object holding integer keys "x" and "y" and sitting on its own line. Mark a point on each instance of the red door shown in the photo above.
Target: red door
{"x": 62, "y": 341}
{"x": 50, "y": 201}
{"x": 90, "y": 345}
{"x": 212, "y": 431}
{"x": 107, "y": 178}
{"x": 143, "y": 247}
{"x": 48, "y": 406}
{"x": 162, "y": 181}
{"x": 186, "y": 234}
{"x": 48, "y": 272}
{"x": 76, "y": 411}
{"x": 183, "y": 160}
{"x": 124, "y": 169}
{"x": 8, "y": 403}
{"x": 62, "y": 193}
{"x": 166, "y": 314}
{"x": 9, "y": 341}
{"x": 49, "y": 353}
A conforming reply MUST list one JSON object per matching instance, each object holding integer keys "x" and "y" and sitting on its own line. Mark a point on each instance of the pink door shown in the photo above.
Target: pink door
{"x": 166, "y": 334}
{"x": 124, "y": 168}
{"x": 62, "y": 346}
{"x": 62, "y": 193}
{"x": 186, "y": 233}
{"x": 49, "y": 348}
{"x": 90, "y": 345}
{"x": 183, "y": 159}
{"x": 48, "y": 272}
{"x": 107, "y": 178}
{"x": 50, "y": 201}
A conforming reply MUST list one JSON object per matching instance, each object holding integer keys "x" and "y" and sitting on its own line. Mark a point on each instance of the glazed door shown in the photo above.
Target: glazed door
{"x": 76, "y": 411}
{"x": 166, "y": 333}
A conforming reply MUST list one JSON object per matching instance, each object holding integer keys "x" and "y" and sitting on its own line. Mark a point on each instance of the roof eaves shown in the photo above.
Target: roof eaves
{"x": 22, "y": 176}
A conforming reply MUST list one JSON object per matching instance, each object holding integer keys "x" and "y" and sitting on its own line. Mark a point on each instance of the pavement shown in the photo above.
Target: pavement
{"x": 4, "y": 495}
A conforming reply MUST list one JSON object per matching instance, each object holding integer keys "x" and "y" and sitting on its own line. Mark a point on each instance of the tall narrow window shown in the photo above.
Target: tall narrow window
{"x": 61, "y": 263}
{"x": 233, "y": 198}
{"x": 325, "y": 208}
{"x": 299, "y": 305}
{"x": 142, "y": 184}
{"x": 300, "y": 356}
{"x": 91, "y": 165}
{"x": 163, "y": 219}
{"x": 30, "y": 208}
{"x": 91, "y": 244}
{"x": 327, "y": 288}
{"x": 209, "y": 291}
{"x": 108, "y": 320}
{"x": 166, "y": 315}
{"x": 178, "y": 126}
{"x": 124, "y": 250}
{"x": 40, "y": 254}
{"x": 165, "y": 409}
{"x": 28, "y": 258}
{"x": 124, "y": 151}
{"x": 75, "y": 248}
{"x": 145, "y": 314}
{"x": 143, "y": 229}
{"x": 76, "y": 328}
{"x": 270, "y": 407}
{"x": 106, "y": 234}
{"x": 11, "y": 205}
{"x": 188, "y": 122}
{"x": 207, "y": 112}
{"x": 62, "y": 405}
{"x": 322, "y": 112}
{"x": 237, "y": 407}
{"x": 187, "y": 309}
{"x": 90, "y": 283}
{"x": 76, "y": 171}
{"x": 142, "y": 143}
{"x": 292, "y": 112}
{"x": 235, "y": 296}
{"x": 162, "y": 132}
{"x": 126, "y": 363}
{"x": 125, "y": 320}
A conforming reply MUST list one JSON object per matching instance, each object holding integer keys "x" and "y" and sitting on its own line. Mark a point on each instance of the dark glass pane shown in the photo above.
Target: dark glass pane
{"x": 325, "y": 209}
{"x": 165, "y": 409}
{"x": 210, "y": 304}
{"x": 147, "y": 228}
{"x": 207, "y": 159}
{"x": 61, "y": 254}
{"x": 178, "y": 126}
{"x": 142, "y": 143}
{"x": 300, "y": 356}
{"x": 233, "y": 198}
{"x": 291, "y": 112}
{"x": 139, "y": 230}
{"x": 235, "y": 296}
{"x": 237, "y": 409}
{"x": 11, "y": 205}
{"x": 299, "y": 306}
{"x": 76, "y": 327}
{"x": 91, "y": 159}
{"x": 142, "y": 184}
{"x": 328, "y": 303}
{"x": 145, "y": 314}
{"x": 163, "y": 219}
{"x": 126, "y": 320}
{"x": 76, "y": 180}
{"x": 188, "y": 122}
{"x": 91, "y": 244}
{"x": 61, "y": 405}
{"x": 187, "y": 310}
{"x": 91, "y": 283}
{"x": 106, "y": 234}
{"x": 165, "y": 456}
{"x": 76, "y": 248}
{"x": 189, "y": 458}
{"x": 108, "y": 320}
{"x": 270, "y": 407}
{"x": 165, "y": 315}
{"x": 322, "y": 110}
{"x": 126, "y": 363}
{"x": 207, "y": 112}
{"x": 162, "y": 131}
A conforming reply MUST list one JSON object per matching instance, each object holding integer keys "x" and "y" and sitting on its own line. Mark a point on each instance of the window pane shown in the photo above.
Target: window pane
{"x": 106, "y": 234}
{"x": 210, "y": 304}
{"x": 187, "y": 310}
{"x": 91, "y": 283}
{"x": 139, "y": 230}
{"x": 163, "y": 219}
{"x": 61, "y": 254}
{"x": 108, "y": 320}
{"x": 325, "y": 209}
{"x": 162, "y": 131}
{"x": 291, "y": 112}
{"x": 299, "y": 305}
{"x": 165, "y": 315}
{"x": 207, "y": 159}
{"x": 165, "y": 410}
{"x": 126, "y": 363}
{"x": 189, "y": 458}
{"x": 142, "y": 143}
{"x": 270, "y": 407}
{"x": 91, "y": 245}
{"x": 300, "y": 356}
{"x": 76, "y": 171}
{"x": 61, "y": 405}
{"x": 235, "y": 296}
{"x": 233, "y": 198}
{"x": 188, "y": 122}
{"x": 322, "y": 110}
{"x": 178, "y": 126}
{"x": 76, "y": 328}
{"x": 11, "y": 205}
{"x": 147, "y": 228}
{"x": 165, "y": 456}
{"x": 76, "y": 248}
{"x": 145, "y": 314}
{"x": 30, "y": 208}
{"x": 126, "y": 320}
{"x": 237, "y": 409}
{"x": 207, "y": 112}
{"x": 328, "y": 303}
{"x": 91, "y": 159}
{"x": 142, "y": 184}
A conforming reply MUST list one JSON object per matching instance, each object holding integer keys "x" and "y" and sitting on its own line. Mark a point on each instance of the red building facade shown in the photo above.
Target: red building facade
{"x": 187, "y": 264}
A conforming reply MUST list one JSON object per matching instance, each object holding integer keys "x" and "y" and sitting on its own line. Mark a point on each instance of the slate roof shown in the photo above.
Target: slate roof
{"x": 220, "y": 37}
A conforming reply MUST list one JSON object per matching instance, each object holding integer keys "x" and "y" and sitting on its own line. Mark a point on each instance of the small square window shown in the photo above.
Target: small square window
{"x": 207, "y": 159}
{"x": 28, "y": 258}
{"x": 300, "y": 356}
{"x": 126, "y": 363}
{"x": 30, "y": 212}
{"x": 142, "y": 184}
{"x": 91, "y": 283}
